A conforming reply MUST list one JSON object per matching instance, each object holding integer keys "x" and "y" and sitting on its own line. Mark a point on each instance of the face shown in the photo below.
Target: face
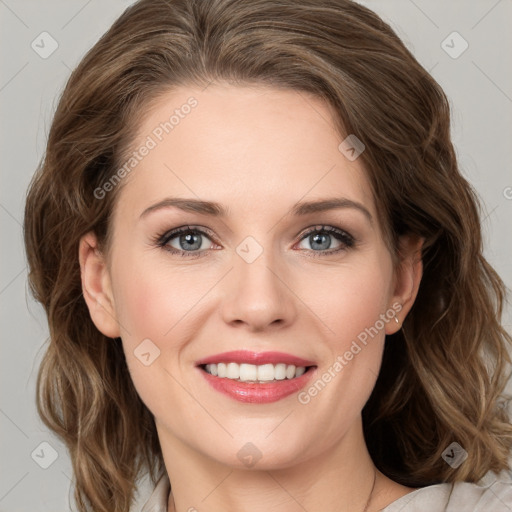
{"x": 266, "y": 276}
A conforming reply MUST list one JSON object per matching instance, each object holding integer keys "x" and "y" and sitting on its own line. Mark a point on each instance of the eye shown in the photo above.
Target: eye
{"x": 189, "y": 241}
{"x": 321, "y": 238}
{"x": 185, "y": 241}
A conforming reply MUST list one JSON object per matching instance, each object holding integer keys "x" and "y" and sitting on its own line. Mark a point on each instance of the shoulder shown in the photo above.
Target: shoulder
{"x": 159, "y": 497}
{"x": 493, "y": 493}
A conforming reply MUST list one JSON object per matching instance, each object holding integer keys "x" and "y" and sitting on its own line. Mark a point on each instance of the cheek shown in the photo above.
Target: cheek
{"x": 143, "y": 309}
{"x": 150, "y": 310}
{"x": 151, "y": 299}
{"x": 354, "y": 298}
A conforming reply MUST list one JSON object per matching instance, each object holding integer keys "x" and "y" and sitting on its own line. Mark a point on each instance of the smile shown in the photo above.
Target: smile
{"x": 256, "y": 378}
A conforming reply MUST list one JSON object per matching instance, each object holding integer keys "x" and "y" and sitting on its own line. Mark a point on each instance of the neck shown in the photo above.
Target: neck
{"x": 341, "y": 479}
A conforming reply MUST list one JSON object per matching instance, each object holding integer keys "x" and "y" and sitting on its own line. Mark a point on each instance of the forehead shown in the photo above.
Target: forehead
{"x": 252, "y": 148}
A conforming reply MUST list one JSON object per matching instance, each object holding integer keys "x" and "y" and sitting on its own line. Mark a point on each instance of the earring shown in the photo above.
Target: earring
{"x": 397, "y": 321}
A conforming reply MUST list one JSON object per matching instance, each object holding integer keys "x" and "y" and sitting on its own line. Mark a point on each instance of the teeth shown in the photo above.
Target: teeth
{"x": 247, "y": 372}
{"x": 290, "y": 371}
{"x": 233, "y": 371}
{"x": 255, "y": 373}
{"x": 300, "y": 371}
{"x": 221, "y": 369}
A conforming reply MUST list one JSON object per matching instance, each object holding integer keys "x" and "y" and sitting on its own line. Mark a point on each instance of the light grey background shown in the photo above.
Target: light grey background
{"x": 478, "y": 83}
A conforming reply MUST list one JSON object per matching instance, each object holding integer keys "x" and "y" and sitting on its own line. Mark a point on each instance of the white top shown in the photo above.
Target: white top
{"x": 494, "y": 496}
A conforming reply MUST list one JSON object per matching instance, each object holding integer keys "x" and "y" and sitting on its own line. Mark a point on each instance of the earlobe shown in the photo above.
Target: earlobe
{"x": 96, "y": 286}
{"x": 407, "y": 281}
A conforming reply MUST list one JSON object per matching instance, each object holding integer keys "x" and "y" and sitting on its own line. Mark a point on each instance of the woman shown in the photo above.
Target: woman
{"x": 199, "y": 154}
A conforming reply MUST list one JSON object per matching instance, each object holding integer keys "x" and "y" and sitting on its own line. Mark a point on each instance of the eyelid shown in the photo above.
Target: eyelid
{"x": 171, "y": 233}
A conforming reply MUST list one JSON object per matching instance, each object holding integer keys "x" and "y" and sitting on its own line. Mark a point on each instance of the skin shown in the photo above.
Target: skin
{"x": 258, "y": 151}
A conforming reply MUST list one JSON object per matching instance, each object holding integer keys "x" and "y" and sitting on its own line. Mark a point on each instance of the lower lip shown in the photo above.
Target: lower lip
{"x": 251, "y": 392}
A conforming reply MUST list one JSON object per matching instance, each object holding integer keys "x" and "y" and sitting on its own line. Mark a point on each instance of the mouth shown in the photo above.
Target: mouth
{"x": 256, "y": 377}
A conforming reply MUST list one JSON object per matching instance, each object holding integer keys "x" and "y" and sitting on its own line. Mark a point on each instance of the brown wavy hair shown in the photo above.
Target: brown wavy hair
{"x": 443, "y": 373}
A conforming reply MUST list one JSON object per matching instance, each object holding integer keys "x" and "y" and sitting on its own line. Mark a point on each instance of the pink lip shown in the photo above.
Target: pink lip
{"x": 252, "y": 392}
{"x": 246, "y": 356}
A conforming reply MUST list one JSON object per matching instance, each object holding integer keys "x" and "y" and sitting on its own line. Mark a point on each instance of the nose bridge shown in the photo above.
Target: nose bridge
{"x": 258, "y": 295}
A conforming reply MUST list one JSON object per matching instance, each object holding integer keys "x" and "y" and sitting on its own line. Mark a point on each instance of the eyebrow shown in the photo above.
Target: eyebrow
{"x": 217, "y": 210}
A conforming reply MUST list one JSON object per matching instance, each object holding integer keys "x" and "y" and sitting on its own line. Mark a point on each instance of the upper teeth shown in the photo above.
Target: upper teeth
{"x": 250, "y": 372}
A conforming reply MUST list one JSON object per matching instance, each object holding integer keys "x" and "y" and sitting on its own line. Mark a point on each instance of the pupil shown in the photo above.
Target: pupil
{"x": 189, "y": 238}
{"x": 320, "y": 236}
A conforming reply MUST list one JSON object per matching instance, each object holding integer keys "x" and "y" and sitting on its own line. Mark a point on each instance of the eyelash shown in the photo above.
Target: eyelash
{"x": 163, "y": 239}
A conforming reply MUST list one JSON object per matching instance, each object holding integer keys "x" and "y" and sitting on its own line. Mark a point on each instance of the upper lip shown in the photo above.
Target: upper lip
{"x": 256, "y": 358}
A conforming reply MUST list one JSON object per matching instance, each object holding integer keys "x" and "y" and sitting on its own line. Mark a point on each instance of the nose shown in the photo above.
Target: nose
{"x": 258, "y": 296}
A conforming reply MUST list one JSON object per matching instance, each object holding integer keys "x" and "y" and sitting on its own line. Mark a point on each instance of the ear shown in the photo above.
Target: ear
{"x": 407, "y": 279}
{"x": 96, "y": 286}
